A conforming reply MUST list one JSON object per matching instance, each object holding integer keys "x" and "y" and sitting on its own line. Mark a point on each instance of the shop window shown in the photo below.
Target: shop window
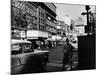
{"x": 15, "y": 34}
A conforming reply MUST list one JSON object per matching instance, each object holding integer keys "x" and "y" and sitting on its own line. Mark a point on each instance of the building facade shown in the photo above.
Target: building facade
{"x": 61, "y": 30}
{"x": 32, "y": 19}
{"x": 23, "y": 18}
{"x": 46, "y": 19}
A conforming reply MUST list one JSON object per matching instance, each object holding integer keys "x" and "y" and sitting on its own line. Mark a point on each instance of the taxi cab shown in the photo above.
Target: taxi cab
{"x": 24, "y": 59}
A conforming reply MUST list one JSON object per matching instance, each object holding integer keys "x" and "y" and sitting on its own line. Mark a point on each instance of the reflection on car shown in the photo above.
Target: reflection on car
{"x": 24, "y": 59}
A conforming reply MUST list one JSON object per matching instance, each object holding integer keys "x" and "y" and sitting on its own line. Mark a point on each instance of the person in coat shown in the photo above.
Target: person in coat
{"x": 67, "y": 50}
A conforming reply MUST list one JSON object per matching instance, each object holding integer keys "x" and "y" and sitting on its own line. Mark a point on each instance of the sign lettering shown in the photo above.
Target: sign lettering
{"x": 23, "y": 7}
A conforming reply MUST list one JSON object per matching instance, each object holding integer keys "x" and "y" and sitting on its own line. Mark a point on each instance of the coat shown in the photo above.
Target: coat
{"x": 67, "y": 53}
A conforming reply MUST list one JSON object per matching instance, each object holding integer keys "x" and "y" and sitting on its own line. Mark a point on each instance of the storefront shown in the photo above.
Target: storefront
{"x": 18, "y": 33}
{"x": 37, "y": 37}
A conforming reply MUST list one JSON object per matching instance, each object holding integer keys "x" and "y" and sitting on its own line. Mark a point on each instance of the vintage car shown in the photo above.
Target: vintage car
{"x": 24, "y": 59}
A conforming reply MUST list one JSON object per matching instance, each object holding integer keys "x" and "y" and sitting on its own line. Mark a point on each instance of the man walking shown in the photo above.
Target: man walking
{"x": 67, "y": 50}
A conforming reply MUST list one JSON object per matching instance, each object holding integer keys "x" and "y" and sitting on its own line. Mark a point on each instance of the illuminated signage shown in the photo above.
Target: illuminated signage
{"x": 22, "y": 33}
{"x": 16, "y": 33}
{"x": 36, "y": 33}
{"x": 22, "y": 6}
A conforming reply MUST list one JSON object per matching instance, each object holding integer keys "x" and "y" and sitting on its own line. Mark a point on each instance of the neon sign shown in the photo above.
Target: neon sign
{"x": 23, "y": 7}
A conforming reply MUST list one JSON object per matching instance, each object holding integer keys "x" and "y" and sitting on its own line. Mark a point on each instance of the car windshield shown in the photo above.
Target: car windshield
{"x": 21, "y": 48}
{"x": 16, "y": 49}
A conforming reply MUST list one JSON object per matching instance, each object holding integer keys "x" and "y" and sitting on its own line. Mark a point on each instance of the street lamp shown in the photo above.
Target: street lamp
{"x": 87, "y": 13}
{"x": 87, "y": 7}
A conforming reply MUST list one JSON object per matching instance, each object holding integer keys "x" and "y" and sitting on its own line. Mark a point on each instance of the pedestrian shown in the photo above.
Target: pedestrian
{"x": 55, "y": 44}
{"x": 67, "y": 50}
{"x": 50, "y": 44}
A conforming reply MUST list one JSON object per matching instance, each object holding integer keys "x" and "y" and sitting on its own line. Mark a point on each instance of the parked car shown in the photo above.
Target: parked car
{"x": 24, "y": 59}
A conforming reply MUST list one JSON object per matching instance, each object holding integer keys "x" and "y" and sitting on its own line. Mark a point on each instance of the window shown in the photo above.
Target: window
{"x": 34, "y": 20}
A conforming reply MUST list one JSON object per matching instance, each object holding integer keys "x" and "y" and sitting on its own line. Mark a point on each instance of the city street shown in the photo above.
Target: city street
{"x": 56, "y": 57}
{"x": 47, "y": 38}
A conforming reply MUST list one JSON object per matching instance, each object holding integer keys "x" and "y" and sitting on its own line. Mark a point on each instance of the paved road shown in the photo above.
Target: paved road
{"x": 55, "y": 59}
{"x": 56, "y": 54}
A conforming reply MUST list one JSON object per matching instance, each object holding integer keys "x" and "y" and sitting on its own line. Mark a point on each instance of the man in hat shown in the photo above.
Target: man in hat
{"x": 67, "y": 50}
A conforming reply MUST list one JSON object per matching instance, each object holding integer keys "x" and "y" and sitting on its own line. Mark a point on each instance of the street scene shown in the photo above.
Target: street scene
{"x": 52, "y": 37}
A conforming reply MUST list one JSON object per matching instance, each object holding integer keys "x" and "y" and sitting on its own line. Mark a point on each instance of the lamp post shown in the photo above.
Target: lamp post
{"x": 87, "y": 14}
